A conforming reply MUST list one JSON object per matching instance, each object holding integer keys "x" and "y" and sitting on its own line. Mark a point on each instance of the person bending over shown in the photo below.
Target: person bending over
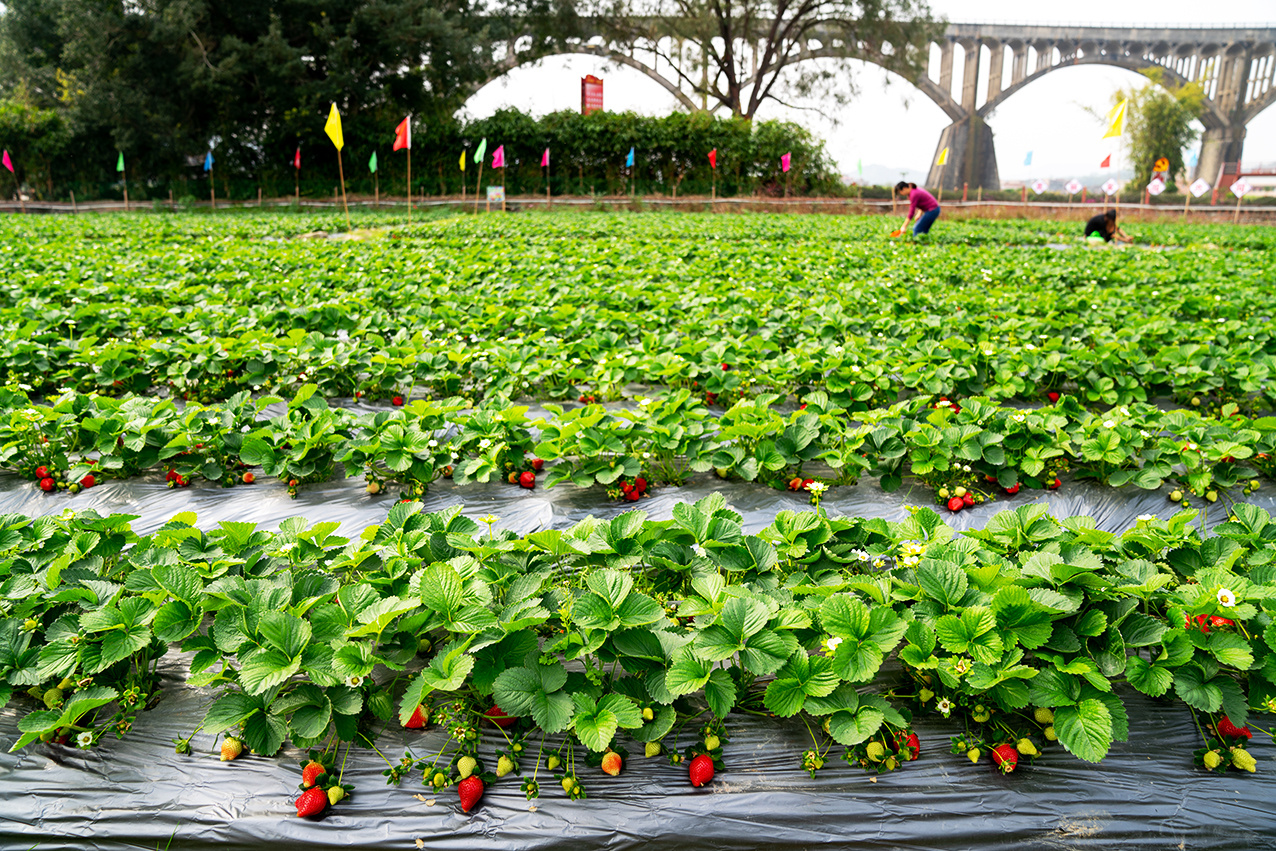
{"x": 919, "y": 199}
{"x": 1104, "y": 227}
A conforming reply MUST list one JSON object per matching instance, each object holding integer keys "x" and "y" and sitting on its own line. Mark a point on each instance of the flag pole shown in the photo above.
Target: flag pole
{"x": 341, "y": 172}
{"x": 409, "y": 183}
{"x": 296, "y": 185}
{"x": 124, "y": 180}
{"x": 478, "y": 182}
{"x": 376, "y": 190}
{"x": 548, "y": 201}
{"x": 502, "y": 186}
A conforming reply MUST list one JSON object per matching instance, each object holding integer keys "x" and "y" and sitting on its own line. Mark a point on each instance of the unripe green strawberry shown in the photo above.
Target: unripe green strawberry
{"x": 647, "y": 714}
{"x": 1050, "y": 734}
{"x": 553, "y": 762}
{"x": 53, "y": 698}
{"x": 652, "y": 749}
{"x": 465, "y": 766}
{"x": 438, "y": 780}
{"x": 973, "y": 754}
{"x": 1026, "y": 747}
{"x": 504, "y": 766}
{"x": 1243, "y": 759}
{"x": 1212, "y": 760}
{"x": 711, "y": 742}
{"x": 336, "y": 793}
{"x": 1043, "y": 715}
{"x": 568, "y": 784}
{"x": 1176, "y": 495}
{"x": 925, "y": 695}
{"x": 875, "y": 751}
{"x": 891, "y": 763}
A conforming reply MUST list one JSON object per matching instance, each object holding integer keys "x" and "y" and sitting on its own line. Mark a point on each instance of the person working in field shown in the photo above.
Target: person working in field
{"x": 1103, "y": 227}
{"x": 918, "y": 199}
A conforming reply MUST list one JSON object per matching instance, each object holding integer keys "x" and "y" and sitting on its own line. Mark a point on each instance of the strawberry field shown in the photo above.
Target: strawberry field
{"x": 494, "y": 524}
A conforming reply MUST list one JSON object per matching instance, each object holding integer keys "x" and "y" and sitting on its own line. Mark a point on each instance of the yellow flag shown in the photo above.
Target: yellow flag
{"x": 333, "y": 128}
{"x": 462, "y": 160}
{"x": 943, "y": 157}
{"x": 1116, "y": 120}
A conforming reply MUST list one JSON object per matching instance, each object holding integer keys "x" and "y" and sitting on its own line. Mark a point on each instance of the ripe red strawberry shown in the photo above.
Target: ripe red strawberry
{"x": 1228, "y": 729}
{"x": 249, "y": 478}
{"x": 700, "y": 771}
{"x": 1005, "y": 757}
{"x": 968, "y": 500}
{"x": 795, "y": 484}
{"x": 470, "y": 790}
{"x": 1013, "y": 489}
{"x": 397, "y": 401}
{"x": 1216, "y": 621}
{"x": 612, "y": 763}
{"x": 726, "y": 366}
{"x": 42, "y": 472}
{"x": 527, "y": 479}
{"x": 538, "y": 464}
{"x": 632, "y": 496}
{"x": 312, "y": 802}
{"x": 498, "y": 717}
{"x": 641, "y": 484}
{"x": 625, "y": 487}
{"x": 1054, "y": 486}
{"x": 47, "y": 484}
{"x": 956, "y": 503}
{"x": 806, "y": 482}
{"x": 88, "y": 481}
{"x": 310, "y": 774}
{"x": 1052, "y": 396}
{"x": 909, "y": 746}
{"x": 417, "y": 721}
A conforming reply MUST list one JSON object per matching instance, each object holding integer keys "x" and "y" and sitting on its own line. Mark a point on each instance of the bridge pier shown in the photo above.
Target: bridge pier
{"x": 972, "y": 157}
{"x": 1221, "y": 149}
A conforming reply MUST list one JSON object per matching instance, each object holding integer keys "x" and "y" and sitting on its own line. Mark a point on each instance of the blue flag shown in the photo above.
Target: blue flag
{"x": 1028, "y": 159}
{"x": 1194, "y": 160}
{"x": 208, "y": 161}
{"x": 629, "y": 161}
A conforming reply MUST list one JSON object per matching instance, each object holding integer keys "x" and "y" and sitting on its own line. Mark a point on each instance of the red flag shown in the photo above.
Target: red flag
{"x": 403, "y": 134}
{"x": 296, "y": 158}
{"x": 785, "y": 160}
{"x": 1107, "y": 162}
{"x": 713, "y": 158}
{"x": 545, "y": 159}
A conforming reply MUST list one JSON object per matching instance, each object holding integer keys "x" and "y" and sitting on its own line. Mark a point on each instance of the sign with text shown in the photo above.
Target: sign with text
{"x": 1241, "y": 187}
{"x": 1199, "y": 187}
{"x": 1156, "y": 187}
{"x": 496, "y": 193}
{"x": 1111, "y": 187}
{"x": 591, "y": 94}
{"x": 1039, "y": 186}
{"x": 1074, "y": 186}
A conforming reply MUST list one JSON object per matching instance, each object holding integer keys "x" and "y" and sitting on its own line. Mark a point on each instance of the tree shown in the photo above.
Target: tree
{"x": 745, "y": 52}
{"x": 1159, "y": 123}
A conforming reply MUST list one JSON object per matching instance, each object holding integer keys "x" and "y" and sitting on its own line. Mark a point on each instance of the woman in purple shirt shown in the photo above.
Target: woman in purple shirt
{"x": 919, "y": 199}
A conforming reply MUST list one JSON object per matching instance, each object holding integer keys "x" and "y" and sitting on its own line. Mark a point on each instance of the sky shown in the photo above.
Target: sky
{"x": 893, "y": 129}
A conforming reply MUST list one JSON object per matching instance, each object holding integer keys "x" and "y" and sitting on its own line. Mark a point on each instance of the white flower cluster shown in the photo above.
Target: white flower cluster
{"x": 911, "y": 553}
{"x": 817, "y": 488}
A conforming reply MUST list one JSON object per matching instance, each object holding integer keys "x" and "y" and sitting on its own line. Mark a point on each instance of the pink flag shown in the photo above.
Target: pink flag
{"x": 6, "y": 162}
{"x": 784, "y": 162}
{"x": 545, "y": 159}
{"x": 498, "y": 157}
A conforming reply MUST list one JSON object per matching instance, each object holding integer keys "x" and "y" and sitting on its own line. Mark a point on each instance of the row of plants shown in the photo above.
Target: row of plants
{"x": 533, "y": 308}
{"x": 571, "y": 642}
{"x": 970, "y": 450}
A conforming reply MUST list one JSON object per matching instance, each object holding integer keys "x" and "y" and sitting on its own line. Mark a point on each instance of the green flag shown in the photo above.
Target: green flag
{"x": 859, "y": 165}
{"x": 482, "y": 149}
{"x": 372, "y": 163}
{"x": 119, "y": 166}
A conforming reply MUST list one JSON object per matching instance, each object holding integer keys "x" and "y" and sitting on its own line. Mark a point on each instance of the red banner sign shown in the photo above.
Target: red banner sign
{"x": 591, "y": 94}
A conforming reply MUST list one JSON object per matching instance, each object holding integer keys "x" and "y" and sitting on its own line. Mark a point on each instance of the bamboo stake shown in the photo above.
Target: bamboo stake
{"x": 74, "y": 208}
{"x": 478, "y": 185}
{"x": 341, "y": 172}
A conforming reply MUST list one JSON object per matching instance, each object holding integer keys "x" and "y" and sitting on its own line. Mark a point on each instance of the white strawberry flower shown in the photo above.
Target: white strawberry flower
{"x": 343, "y": 335}
{"x": 484, "y": 443}
{"x": 817, "y": 488}
{"x": 1145, "y": 518}
{"x": 432, "y": 444}
{"x": 1019, "y": 418}
{"x": 353, "y": 681}
{"x": 945, "y": 706}
{"x": 832, "y": 644}
{"x": 1226, "y": 598}
{"x": 84, "y": 739}
{"x": 699, "y": 550}
{"x": 1109, "y": 424}
{"x": 1030, "y": 347}
{"x": 642, "y": 403}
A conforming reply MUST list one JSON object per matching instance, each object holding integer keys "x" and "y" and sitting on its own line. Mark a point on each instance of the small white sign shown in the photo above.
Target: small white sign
{"x": 496, "y": 193}
{"x": 1039, "y": 186}
{"x": 1156, "y": 187}
{"x": 1240, "y": 187}
{"x": 1074, "y": 186}
{"x": 1111, "y": 187}
{"x": 1199, "y": 187}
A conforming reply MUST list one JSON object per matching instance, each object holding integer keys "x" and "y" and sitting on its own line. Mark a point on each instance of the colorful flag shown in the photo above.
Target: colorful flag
{"x": 545, "y": 159}
{"x": 372, "y": 163}
{"x": 785, "y": 159}
{"x": 296, "y": 158}
{"x": 1107, "y": 162}
{"x": 498, "y": 157}
{"x": 1116, "y": 120}
{"x": 208, "y": 161}
{"x": 333, "y": 128}
{"x": 6, "y": 162}
{"x": 462, "y": 160}
{"x": 629, "y": 160}
{"x": 119, "y": 165}
{"x": 403, "y": 134}
{"x": 943, "y": 157}
{"x": 1028, "y": 159}
{"x": 713, "y": 158}
{"x": 482, "y": 149}
{"x": 859, "y": 167}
